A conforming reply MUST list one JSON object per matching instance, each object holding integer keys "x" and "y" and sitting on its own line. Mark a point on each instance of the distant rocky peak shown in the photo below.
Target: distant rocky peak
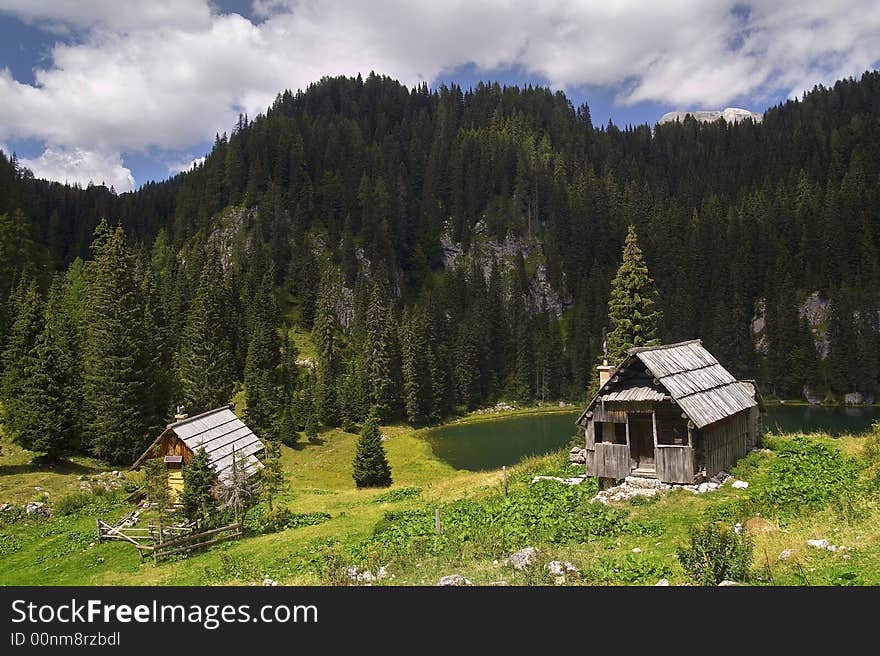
{"x": 731, "y": 115}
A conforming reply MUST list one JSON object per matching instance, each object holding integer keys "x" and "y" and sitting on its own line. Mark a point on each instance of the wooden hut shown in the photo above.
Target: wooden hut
{"x": 669, "y": 412}
{"x": 220, "y": 432}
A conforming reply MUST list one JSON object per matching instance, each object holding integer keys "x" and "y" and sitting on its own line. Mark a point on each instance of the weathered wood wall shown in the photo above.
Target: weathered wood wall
{"x": 675, "y": 464}
{"x": 611, "y": 460}
{"x": 727, "y": 442}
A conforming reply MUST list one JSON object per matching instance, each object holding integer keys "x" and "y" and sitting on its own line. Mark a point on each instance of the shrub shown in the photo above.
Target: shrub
{"x": 716, "y": 552}
{"x": 262, "y": 520}
{"x": 398, "y": 494}
{"x": 632, "y": 569}
{"x": 806, "y": 475}
{"x": 71, "y": 503}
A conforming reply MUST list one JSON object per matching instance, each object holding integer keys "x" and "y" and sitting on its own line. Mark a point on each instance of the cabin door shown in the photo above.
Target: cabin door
{"x": 641, "y": 441}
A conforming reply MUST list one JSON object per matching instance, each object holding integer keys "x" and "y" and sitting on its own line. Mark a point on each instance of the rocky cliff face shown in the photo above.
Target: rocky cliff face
{"x": 731, "y": 115}
{"x": 503, "y": 252}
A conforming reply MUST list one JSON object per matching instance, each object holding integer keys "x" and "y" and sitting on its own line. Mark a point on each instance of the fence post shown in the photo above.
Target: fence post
{"x": 437, "y": 528}
{"x": 504, "y": 472}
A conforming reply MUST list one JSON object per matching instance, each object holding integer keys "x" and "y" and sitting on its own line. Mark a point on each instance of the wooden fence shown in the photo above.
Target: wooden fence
{"x": 189, "y": 542}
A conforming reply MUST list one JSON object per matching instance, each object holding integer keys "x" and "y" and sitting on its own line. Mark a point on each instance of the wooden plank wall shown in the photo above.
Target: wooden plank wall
{"x": 614, "y": 416}
{"x": 611, "y": 460}
{"x": 675, "y": 464}
{"x": 727, "y": 442}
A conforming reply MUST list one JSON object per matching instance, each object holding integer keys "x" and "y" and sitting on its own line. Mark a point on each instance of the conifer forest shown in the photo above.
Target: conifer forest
{"x": 367, "y": 247}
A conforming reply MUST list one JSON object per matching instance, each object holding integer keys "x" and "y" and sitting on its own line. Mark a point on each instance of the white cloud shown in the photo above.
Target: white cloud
{"x": 168, "y": 75}
{"x": 83, "y": 166}
{"x": 184, "y": 165}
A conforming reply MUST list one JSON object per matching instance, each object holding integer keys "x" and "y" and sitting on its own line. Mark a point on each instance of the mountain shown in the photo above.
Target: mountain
{"x": 730, "y": 114}
{"x": 465, "y": 240}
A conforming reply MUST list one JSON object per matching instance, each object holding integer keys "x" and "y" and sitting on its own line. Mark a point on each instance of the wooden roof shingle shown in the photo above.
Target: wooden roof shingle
{"x": 694, "y": 379}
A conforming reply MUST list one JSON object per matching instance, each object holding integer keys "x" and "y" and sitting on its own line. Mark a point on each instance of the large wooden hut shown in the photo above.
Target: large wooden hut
{"x": 219, "y": 432}
{"x": 670, "y": 412}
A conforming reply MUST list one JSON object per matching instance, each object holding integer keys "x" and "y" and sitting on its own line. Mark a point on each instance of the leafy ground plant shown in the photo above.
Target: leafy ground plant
{"x": 715, "y": 553}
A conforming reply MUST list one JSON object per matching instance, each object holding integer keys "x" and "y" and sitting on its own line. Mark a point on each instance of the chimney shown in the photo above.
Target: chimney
{"x": 604, "y": 372}
{"x": 181, "y": 414}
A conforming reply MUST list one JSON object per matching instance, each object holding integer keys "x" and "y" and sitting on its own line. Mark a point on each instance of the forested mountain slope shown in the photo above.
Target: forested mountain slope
{"x": 446, "y": 248}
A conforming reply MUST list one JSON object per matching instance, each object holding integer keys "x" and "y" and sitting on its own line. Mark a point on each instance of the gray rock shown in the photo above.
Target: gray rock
{"x": 785, "y": 555}
{"x": 854, "y": 398}
{"x": 523, "y": 558}
{"x": 498, "y": 583}
{"x": 818, "y": 544}
{"x": 37, "y": 508}
{"x": 636, "y": 550}
{"x": 453, "y": 579}
{"x": 577, "y": 456}
{"x": 4, "y": 507}
{"x": 739, "y": 485}
{"x": 662, "y": 583}
{"x": 269, "y": 582}
{"x": 559, "y": 568}
{"x": 727, "y": 583}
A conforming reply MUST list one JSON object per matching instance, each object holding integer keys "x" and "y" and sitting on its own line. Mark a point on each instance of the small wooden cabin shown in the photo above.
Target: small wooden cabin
{"x": 220, "y": 432}
{"x": 669, "y": 412}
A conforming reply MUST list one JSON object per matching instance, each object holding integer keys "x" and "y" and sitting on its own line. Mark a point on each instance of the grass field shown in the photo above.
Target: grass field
{"x": 63, "y": 550}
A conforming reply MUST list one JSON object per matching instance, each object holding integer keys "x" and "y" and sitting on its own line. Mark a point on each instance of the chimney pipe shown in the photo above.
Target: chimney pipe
{"x": 604, "y": 372}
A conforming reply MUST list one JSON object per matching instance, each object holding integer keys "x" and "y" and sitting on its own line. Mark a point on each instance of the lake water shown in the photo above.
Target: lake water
{"x": 489, "y": 444}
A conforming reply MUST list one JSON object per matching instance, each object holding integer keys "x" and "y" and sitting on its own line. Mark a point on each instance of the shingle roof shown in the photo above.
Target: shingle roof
{"x": 704, "y": 390}
{"x": 221, "y": 433}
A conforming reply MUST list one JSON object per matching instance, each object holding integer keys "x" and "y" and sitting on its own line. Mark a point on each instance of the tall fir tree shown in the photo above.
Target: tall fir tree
{"x": 262, "y": 391}
{"x": 51, "y": 418}
{"x": 198, "y": 482}
{"x": 26, "y": 309}
{"x": 370, "y": 467}
{"x": 381, "y": 354}
{"x": 116, "y": 384}
{"x": 632, "y": 307}
{"x": 205, "y": 362}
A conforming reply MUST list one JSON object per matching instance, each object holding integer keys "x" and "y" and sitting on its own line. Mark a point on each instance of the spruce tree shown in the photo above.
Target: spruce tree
{"x": 206, "y": 362}
{"x": 116, "y": 384}
{"x": 272, "y": 474}
{"x": 156, "y": 485}
{"x": 50, "y": 407}
{"x": 380, "y": 351}
{"x": 632, "y": 307}
{"x": 326, "y": 336}
{"x": 198, "y": 483}
{"x": 262, "y": 362}
{"x": 26, "y": 308}
{"x": 371, "y": 468}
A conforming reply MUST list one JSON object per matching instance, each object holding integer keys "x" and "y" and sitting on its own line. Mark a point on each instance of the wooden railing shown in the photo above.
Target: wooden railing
{"x": 187, "y": 543}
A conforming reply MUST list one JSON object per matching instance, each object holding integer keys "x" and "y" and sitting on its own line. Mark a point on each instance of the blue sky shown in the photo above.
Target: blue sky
{"x": 124, "y": 92}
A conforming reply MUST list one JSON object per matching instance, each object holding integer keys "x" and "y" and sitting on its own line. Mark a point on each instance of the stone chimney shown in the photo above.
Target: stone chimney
{"x": 604, "y": 372}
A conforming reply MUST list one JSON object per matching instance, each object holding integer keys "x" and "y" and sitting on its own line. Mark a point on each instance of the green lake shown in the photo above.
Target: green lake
{"x": 489, "y": 444}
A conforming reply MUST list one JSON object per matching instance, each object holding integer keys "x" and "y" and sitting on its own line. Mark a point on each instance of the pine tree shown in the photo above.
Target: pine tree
{"x": 272, "y": 474}
{"x": 115, "y": 382}
{"x": 263, "y": 360}
{"x": 632, "y": 310}
{"x": 380, "y": 350}
{"x": 26, "y": 308}
{"x": 205, "y": 362}
{"x": 156, "y": 485}
{"x": 325, "y": 334}
{"x": 198, "y": 483}
{"x": 371, "y": 468}
{"x": 50, "y": 409}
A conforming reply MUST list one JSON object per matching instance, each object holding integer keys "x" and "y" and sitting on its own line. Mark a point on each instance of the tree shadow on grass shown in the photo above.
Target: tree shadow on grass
{"x": 42, "y": 467}
{"x": 299, "y": 446}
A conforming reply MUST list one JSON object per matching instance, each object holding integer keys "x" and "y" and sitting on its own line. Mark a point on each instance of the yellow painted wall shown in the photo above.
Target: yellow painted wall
{"x": 175, "y": 482}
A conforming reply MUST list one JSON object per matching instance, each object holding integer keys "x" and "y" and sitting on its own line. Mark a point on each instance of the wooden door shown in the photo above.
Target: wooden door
{"x": 641, "y": 439}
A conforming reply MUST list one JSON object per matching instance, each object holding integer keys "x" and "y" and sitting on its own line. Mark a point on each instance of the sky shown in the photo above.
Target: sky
{"x": 122, "y": 92}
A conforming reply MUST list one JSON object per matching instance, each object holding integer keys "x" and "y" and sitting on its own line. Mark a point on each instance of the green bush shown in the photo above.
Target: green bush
{"x": 805, "y": 475}
{"x": 716, "y": 552}
{"x": 262, "y": 520}
{"x": 398, "y": 494}
{"x": 70, "y": 504}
